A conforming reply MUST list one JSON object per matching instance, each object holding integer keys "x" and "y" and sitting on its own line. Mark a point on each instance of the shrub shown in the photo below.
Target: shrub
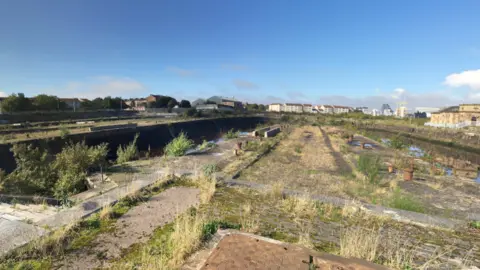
{"x": 370, "y": 165}
{"x": 231, "y": 134}
{"x": 178, "y": 146}
{"x": 207, "y": 145}
{"x": 209, "y": 169}
{"x": 397, "y": 143}
{"x": 475, "y": 224}
{"x": 64, "y": 132}
{"x": 129, "y": 152}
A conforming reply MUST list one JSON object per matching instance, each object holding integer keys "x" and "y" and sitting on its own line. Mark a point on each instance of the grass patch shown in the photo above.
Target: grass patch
{"x": 178, "y": 146}
{"x": 210, "y": 169}
{"x": 401, "y": 201}
{"x": 299, "y": 206}
{"x": 207, "y": 145}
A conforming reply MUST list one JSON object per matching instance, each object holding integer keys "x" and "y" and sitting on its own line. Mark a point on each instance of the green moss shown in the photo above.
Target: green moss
{"x": 28, "y": 265}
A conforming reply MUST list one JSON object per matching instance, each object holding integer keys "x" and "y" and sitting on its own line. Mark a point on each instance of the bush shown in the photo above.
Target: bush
{"x": 207, "y": 145}
{"x": 192, "y": 112}
{"x": 209, "y": 169}
{"x": 127, "y": 153}
{"x": 231, "y": 134}
{"x": 178, "y": 146}
{"x": 64, "y": 132}
{"x": 370, "y": 165}
{"x": 397, "y": 143}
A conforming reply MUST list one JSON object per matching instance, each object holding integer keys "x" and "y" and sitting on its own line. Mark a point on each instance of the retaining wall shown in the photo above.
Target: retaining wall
{"x": 155, "y": 136}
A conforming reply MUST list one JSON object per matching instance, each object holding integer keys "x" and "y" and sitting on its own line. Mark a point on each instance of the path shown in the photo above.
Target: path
{"x": 136, "y": 226}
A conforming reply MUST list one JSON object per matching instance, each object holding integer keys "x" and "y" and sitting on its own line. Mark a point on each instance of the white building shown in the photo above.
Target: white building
{"x": 326, "y": 109}
{"x": 341, "y": 109}
{"x": 308, "y": 108}
{"x": 427, "y": 110}
{"x": 401, "y": 112}
{"x": 293, "y": 107}
{"x": 362, "y": 109}
{"x": 276, "y": 107}
{"x": 376, "y": 112}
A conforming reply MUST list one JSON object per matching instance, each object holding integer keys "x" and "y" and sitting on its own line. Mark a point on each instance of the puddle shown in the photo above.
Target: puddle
{"x": 367, "y": 145}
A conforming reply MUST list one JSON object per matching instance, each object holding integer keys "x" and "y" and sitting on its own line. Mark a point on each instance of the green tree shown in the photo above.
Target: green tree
{"x": 46, "y": 103}
{"x": 172, "y": 103}
{"x": 33, "y": 174}
{"x": 185, "y": 104}
{"x": 262, "y": 107}
{"x": 163, "y": 102}
{"x": 16, "y": 103}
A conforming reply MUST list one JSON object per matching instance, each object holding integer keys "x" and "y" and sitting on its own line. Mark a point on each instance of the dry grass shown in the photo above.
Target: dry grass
{"x": 207, "y": 186}
{"x": 185, "y": 238}
{"x": 276, "y": 190}
{"x": 106, "y": 212}
{"x": 248, "y": 220}
{"x": 360, "y": 243}
{"x": 304, "y": 238}
{"x": 299, "y": 206}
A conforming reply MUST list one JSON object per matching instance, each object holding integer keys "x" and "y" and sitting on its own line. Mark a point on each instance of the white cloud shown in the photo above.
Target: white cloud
{"x": 3, "y": 94}
{"x": 243, "y": 84}
{"x": 100, "y": 86}
{"x": 398, "y": 92}
{"x": 469, "y": 78}
{"x": 181, "y": 71}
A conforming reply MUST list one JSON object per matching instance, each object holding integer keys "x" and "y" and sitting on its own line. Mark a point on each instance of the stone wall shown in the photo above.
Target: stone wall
{"x": 453, "y": 117}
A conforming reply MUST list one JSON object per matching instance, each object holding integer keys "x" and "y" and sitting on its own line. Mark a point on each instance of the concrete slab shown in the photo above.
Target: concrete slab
{"x": 14, "y": 234}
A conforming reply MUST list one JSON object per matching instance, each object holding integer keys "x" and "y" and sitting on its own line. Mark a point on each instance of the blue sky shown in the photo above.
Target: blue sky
{"x": 351, "y": 52}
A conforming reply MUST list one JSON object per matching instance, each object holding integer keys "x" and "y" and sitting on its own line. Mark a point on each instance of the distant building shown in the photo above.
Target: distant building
{"x": 72, "y": 103}
{"x": 293, "y": 107}
{"x": 153, "y": 98}
{"x": 362, "y": 109}
{"x": 386, "y": 110}
{"x": 307, "y": 108}
{"x": 276, "y": 107}
{"x": 199, "y": 101}
{"x": 226, "y": 101}
{"x": 427, "y": 110}
{"x": 212, "y": 107}
{"x": 376, "y": 112}
{"x": 401, "y": 112}
{"x": 456, "y": 116}
{"x": 326, "y": 109}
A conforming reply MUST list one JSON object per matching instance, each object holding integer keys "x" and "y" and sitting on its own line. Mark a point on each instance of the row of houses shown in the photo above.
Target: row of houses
{"x": 308, "y": 108}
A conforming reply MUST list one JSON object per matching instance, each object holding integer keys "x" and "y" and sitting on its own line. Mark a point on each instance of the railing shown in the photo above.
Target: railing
{"x": 457, "y": 125}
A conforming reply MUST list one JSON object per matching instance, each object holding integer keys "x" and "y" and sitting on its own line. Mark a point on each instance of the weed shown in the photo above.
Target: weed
{"x": 129, "y": 152}
{"x": 210, "y": 169}
{"x": 64, "y": 132}
{"x": 207, "y": 145}
{"x": 207, "y": 186}
{"x": 397, "y": 143}
{"x": 178, "y": 146}
{"x": 298, "y": 149}
{"x": 404, "y": 202}
{"x": 475, "y": 224}
{"x": 248, "y": 220}
{"x": 370, "y": 165}
{"x": 231, "y": 134}
{"x": 299, "y": 207}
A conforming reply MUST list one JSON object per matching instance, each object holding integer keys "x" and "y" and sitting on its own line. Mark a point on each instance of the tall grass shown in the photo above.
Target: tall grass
{"x": 359, "y": 243}
{"x": 178, "y": 146}
{"x": 300, "y": 207}
{"x": 370, "y": 166}
{"x": 129, "y": 152}
{"x": 169, "y": 252}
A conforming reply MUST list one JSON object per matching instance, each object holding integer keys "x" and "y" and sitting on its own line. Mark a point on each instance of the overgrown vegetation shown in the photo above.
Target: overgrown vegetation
{"x": 178, "y": 146}
{"x": 231, "y": 134}
{"x": 207, "y": 145}
{"x": 209, "y": 169}
{"x": 405, "y": 202}
{"x": 129, "y": 152}
{"x": 40, "y": 173}
{"x": 397, "y": 143}
{"x": 370, "y": 166}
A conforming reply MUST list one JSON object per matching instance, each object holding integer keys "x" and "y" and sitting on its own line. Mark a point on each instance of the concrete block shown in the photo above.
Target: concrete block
{"x": 272, "y": 132}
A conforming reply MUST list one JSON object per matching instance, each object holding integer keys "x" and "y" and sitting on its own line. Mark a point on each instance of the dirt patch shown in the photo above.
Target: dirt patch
{"x": 136, "y": 226}
{"x": 238, "y": 251}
